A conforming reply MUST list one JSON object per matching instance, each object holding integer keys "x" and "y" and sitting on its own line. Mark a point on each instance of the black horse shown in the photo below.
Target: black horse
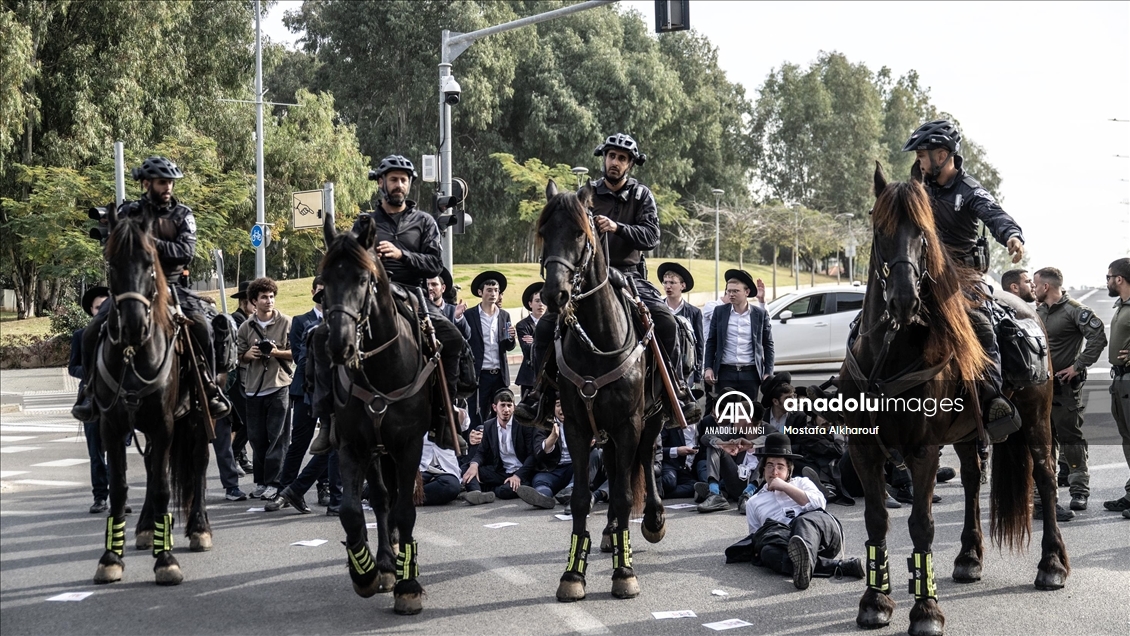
{"x": 607, "y": 389}
{"x": 381, "y": 413}
{"x": 916, "y": 342}
{"x": 138, "y": 387}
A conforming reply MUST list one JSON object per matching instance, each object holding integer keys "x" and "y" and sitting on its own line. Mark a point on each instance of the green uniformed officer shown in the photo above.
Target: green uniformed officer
{"x": 1069, "y": 323}
{"x": 1118, "y": 284}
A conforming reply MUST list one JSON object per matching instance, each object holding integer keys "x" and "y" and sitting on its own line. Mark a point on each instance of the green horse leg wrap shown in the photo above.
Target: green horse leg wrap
{"x": 163, "y": 534}
{"x": 579, "y": 546}
{"x": 360, "y": 560}
{"x": 921, "y": 566}
{"x": 115, "y": 535}
{"x": 406, "y": 567}
{"x": 878, "y": 568}
{"x": 621, "y": 549}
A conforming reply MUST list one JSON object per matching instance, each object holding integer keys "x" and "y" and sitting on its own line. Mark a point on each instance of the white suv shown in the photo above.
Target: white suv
{"x": 810, "y": 326}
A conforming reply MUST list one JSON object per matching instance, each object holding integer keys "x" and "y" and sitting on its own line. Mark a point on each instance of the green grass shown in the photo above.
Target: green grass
{"x": 294, "y": 295}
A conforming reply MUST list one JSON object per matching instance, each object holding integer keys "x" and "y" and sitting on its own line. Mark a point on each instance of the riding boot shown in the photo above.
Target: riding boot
{"x": 324, "y": 442}
{"x": 83, "y": 410}
{"x": 999, "y": 415}
{"x": 218, "y": 404}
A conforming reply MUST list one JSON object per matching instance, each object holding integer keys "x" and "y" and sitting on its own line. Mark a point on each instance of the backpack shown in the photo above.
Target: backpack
{"x": 685, "y": 340}
{"x": 1024, "y": 350}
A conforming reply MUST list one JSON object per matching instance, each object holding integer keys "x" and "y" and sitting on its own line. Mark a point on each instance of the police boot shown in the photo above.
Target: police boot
{"x": 536, "y": 409}
{"x": 218, "y": 404}
{"x": 83, "y": 410}
{"x": 323, "y": 443}
{"x": 692, "y": 412}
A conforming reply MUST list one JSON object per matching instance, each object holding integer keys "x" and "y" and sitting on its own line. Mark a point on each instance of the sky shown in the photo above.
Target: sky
{"x": 1034, "y": 83}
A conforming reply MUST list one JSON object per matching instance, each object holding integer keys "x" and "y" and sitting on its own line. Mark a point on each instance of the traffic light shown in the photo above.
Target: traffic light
{"x": 101, "y": 231}
{"x": 449, "y": 210}
{"x": 672, "y": 15}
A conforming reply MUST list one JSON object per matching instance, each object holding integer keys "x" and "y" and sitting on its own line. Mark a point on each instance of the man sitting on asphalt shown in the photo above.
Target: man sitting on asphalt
{"x": 554, "y": 465}
{"x": 725, "y": 443}
{"x": 504, "y": 459}
{"x": 790, "y": 531}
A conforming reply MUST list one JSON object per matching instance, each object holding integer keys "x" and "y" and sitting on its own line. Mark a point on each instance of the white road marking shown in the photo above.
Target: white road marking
{"x": 47, "y": 482}
{"x": 4, "y": 474}
{"x": 572, "y": 615}
{"x": 62, "y": 463}
{"x": 36, "y": 428}
{"x": 73, "y": 440}
{"x": 8, "y": 439}
{"x": 18, "y": 449}
{"x": 1106, "y": 466}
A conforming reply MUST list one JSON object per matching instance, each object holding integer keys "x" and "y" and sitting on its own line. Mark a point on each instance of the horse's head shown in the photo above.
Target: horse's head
{"x": 905, "y": 248}
{"x": 351, "y": 277}
{"x": 137, "y": 284}
{"x": 565, "y": 230}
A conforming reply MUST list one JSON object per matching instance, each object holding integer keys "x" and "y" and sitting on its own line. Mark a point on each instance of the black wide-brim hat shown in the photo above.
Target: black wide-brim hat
{"x": 490, "y": 274}
{"x": 777, "y": 445}
{"x": 528, "y": 294}
{"x": 450, "y": 293}
{"x": 242, "y": 293}
{"x": 775, "y": 380}
{"x": 743, "y": 276}
{"x": 678, "y": 269}
{"x": 90, "y": 295}
{"x": 319, "y": 295}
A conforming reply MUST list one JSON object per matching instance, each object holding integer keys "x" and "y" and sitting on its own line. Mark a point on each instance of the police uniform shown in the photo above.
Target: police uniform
{"x": 1069, "y": 323}
{"x": 1120, "y": 384}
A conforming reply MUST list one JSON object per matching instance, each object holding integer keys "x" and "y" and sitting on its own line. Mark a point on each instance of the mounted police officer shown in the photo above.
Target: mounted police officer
{"x": 959, "y": 203}
{"x": 624, "y": 211}
{"x": 174, "y": 234}
{"x": 408, "y": 246}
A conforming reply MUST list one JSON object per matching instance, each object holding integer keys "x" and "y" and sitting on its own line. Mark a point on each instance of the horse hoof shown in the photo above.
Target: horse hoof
{"x": 385, "y": 582}
{"x": 144, "y": 540}
{"x": 108, "y": 573}
{"x": 654, "y": 537}
{"x": 408, "y": 604}
{"x": 606, "y": 543}
{"x": 967, "y": 573}
{"x": 871, "y": 618}
{"x": 1050, "y": 580}
{"x": 926, "y": 627}
{"x": 169, "y": 575}
{"x": 626, "y": 588}
{"x": 200, "y": 542}
{"x": 570, "y": 591}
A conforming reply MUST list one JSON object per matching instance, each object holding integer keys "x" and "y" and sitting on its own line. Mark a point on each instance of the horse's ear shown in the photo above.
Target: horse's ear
{"x": 880, "y": 179}
{"x": 916, "y": 172}
{"x": 112, "y": 214}
{"x": 366, "y": 231}
{"x": 585, "y": 195}
{"x": 550, "y": 190}
{"x": 329, "y": 231}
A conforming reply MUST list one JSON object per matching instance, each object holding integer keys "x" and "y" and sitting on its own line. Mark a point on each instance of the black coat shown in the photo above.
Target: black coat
{"x": 527, "y": 376}
{"x": 694, "y": 316}
{"x": 505, "y": 342}
{"x": 959, "y": 207}
{"x": 416, "y": 234}
{"x": 762, "y": 338}
{"x": 523, "y": 437}
{"x": 299, "y": 325}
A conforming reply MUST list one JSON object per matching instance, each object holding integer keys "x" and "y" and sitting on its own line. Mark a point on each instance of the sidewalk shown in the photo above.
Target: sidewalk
{"x": 44, "y": 389}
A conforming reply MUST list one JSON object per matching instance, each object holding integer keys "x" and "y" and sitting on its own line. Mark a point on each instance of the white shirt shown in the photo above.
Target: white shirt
{"x": 566, "y": 458}
{"x": 780, "y": 507}
{"x": 436, "y": 458}
{"x": 739, "y": 338}
{"x": 506, "y": 448}
{"x": 688, "y": 440}
{"x": 490, "y": 338}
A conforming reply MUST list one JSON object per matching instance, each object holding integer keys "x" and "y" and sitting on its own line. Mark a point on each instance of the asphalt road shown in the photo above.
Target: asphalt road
{"x": 496, "y": 581}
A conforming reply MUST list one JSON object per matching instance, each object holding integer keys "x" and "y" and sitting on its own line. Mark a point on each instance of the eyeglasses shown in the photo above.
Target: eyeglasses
{"x": 1110, "y": 276}
{"x": 733, "y": 291}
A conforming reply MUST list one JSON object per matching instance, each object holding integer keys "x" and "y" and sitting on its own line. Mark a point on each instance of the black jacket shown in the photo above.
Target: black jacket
{"x": 416, "y": 234}
{"x": 174, "y": 233}
{"x": 299, "y": 326}
{"x": 526, "y": 374}
{"x": 694, "y": 316}
{"x": 523, "y": 438}
{"x": 761, "y": 336}
{"x": 960, "y": 204}
{"x": 637, "y": 217}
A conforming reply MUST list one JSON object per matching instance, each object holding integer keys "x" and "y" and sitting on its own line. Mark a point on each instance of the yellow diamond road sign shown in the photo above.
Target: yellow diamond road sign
{"x": 306, "y": 211}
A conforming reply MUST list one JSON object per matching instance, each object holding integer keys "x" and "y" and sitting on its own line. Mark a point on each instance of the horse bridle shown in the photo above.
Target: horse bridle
{"x": 884, "y": 267}
{"x": 147, "y": 302}
{"x": 361, "y": 319}
{"x": 579, "y": 271}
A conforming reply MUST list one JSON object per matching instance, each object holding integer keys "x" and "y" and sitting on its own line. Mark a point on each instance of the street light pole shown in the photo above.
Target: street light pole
{"x": 580, "y": 172}
{"x": 717, "y": 235}
{"x": 796, "y": 247}
{"x": 260, "y": 215}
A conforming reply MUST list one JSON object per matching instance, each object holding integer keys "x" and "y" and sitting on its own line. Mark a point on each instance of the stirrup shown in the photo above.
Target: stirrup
{"x": 1001, "y": 419}
{"x": 536, "y": 415}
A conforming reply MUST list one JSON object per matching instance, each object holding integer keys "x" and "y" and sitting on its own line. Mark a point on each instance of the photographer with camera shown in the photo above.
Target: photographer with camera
{"x": 263, "y": 343}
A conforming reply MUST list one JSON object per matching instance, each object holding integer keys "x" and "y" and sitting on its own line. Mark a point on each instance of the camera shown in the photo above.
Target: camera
{"x": 451, "y": 90}
{"x": 266, "y": 346}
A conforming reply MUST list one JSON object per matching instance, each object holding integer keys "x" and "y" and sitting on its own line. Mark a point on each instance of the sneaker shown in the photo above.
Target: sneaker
{"x": 477, "y": 497}
{"x": 270, "y": 493}
{"x": 741, "y": 503}
{"x": 530, "y": 495}
{"x": 701, "y": 491}
{"x": 1126, "y": 514}
{"x": 851, "y": 568}
{"x": 1117, "y": 505}
{"x": 714, "y": 503}
{"x": 333, "y": 511}
{"x": 945, "y": 473}
{"x": 1078, "y": 502}
{"x": 99, "y": 506}
{"x": 235, "y": 494}
{"x": 258, "y": 492}
{"x": 1062, "y": 515}
{"x": 801, "y": 557}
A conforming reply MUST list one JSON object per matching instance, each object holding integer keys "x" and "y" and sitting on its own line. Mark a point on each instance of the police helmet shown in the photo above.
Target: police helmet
{"x": 940, "y": 133}
{"x": 623, "y": 142}
{"x": 394, "y": 162}
{"x": 157, "y": 167}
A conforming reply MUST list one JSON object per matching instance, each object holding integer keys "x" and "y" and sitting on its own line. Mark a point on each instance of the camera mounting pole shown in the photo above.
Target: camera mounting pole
{"x": 452, "y": 45}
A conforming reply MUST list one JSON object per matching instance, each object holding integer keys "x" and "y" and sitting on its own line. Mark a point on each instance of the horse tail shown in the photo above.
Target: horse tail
{"x": 182, "y": 471}
{"x": 1011, "y": 495}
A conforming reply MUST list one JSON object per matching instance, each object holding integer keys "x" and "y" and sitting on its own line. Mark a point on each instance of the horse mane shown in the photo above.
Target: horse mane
{"x": 130, "y": 234}
{"x": 345, "y": 246}
{"x": 943, "y": 301}
{"x": 572, "y": 204}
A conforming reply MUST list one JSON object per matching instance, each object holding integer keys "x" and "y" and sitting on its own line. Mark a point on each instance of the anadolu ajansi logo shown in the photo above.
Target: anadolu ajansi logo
{"x": 734, "y": 412}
